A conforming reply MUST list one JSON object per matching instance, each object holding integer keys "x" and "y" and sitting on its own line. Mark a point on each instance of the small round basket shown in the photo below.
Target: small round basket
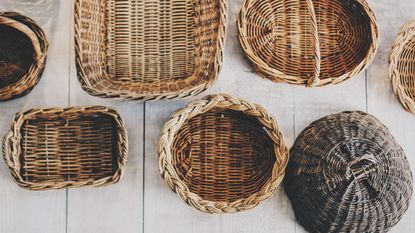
{"x": 23, "y": 48}
{"x": 222, "y": 154}
{"x": 348, "y": 174}
{"x": 310, "y": 42}
{"x": 402, "y": 66}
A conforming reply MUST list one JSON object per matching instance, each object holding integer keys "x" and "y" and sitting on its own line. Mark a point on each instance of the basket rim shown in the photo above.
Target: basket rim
{"x": 190, "y": 91}
{"x": 266, "y": 71}
{"x": 11, "y": 148}
{"x": 197, "y": 107}
{"x": 405, "y": 35}
{"x": 40, "y": 46}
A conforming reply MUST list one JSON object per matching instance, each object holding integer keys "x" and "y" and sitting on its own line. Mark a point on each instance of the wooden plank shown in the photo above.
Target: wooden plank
{"x": 114, "y": 208}
{"x": 382, "y": 102}
{"x": 31, "y": 211}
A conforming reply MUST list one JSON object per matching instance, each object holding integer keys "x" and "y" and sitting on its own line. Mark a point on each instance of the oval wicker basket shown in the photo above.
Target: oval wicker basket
{"x": 299, "y": 42}
{"x": 66, "y": 148}
{"x": 23, "y": 48}
{"x": 148, "y": 50}
{"x": 402, "y": 66}
{"x": 222, "y": 154}
{"x": 348, "y": 174}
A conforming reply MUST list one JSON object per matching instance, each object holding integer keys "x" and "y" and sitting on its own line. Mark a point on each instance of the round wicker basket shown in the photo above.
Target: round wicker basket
{"x": 23, "y": 48}
{"x": 348, "y": 174}
{"x": 299, "y": 42}
{"x": 402, "y": 66}
{"x": 222, "y": 154}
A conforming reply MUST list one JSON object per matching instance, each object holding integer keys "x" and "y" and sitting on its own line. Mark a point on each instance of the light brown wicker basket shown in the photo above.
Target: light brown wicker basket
{"x": 23, "y": 48}
{"x": 148, "y": 50}
{"x": 402, "y": 66}
{"x": 222, "y": 154}
{"x": 310, "y": 42}
{"x": 66, "y": 148}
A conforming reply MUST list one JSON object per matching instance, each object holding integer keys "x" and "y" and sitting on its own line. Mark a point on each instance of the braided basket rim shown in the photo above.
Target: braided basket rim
{"x": 265, "y": 71}
{"x": 169, "y": 174}
{"x": 406, "y": 34}
{"x": 40, "y": 45}
{"x": 11, "y": 145}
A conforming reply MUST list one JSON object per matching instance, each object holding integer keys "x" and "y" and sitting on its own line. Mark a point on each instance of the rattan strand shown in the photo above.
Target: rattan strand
{"x": 402, "y": 66}
{"x": 23, "y": 48}
{"x": 66, "y": 148}
{"x": 148, "y": 50}
{"x": 311, "y": 42}
{"x": 348, "y": 174}
{"x": 222, "y": 154}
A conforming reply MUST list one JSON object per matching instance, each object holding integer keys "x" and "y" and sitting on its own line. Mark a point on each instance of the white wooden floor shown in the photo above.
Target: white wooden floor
{"x": 141, "y": 201}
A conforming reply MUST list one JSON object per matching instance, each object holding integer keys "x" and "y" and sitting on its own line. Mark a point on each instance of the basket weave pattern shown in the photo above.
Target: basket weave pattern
{"x": 222, "y": 154}
{"x": 61, "y": 148}
{"x": 23, "y": 48}
{"x": 310, "y": 42}
{"x": 348, "y": 174}
{"x": 402, "y": 66}
{"x": 149, "y": 50}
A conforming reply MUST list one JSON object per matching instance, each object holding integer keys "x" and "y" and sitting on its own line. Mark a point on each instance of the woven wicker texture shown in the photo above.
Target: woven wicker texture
{"x": 348, "y": 174}
{"x": 310, "y": 42}
{"x": 148, "y": 50}
{"x": 23, "y": 48}
{"x": 65, "y": 148}
{"x": 402, "y": 66}
{"x": 222, "y": 154}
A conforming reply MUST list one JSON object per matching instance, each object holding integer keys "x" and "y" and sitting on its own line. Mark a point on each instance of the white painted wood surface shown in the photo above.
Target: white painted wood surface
{"x": 141, "y": 201}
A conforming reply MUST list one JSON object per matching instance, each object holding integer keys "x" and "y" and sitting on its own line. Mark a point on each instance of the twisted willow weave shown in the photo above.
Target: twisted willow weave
{"x": 348, "y": 174}
{"x": 66, "y": 148}
{"x": 402, "y": 66}
{"x": 222, "y": 154}
{"x": 23, "y": 48}
{"x": 148, "y": 50}
{"x": 308, "y": 42}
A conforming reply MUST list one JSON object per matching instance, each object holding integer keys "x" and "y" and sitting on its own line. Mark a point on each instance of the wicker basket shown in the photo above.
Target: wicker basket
{"x": 402, "y": 66}
{"x": 222, "y": 154}
{"x": 66, "y": 148}
{"x": 310, "y": 42}
{"x": 148, "y": 50}
{"x": 348, "y": 174}
{"x": 23, "y": 48}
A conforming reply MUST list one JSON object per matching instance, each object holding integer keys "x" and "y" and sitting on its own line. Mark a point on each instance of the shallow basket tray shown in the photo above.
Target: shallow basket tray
{"x": 148, "y": 50}
{"x": 222, "y": 154}
{"x": 66, "y": 148}
{"x": 23, "y": 48}
{"x": 310, "y": 42}
{"x": 402, "y": 66}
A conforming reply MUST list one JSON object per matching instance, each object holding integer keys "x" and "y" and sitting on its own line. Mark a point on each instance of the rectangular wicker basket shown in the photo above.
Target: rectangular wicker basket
{"x": 65, "y": 148}
{"x": 148, "y": 50}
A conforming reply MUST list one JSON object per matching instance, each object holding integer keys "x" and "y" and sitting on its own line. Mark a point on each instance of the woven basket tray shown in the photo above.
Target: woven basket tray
{"x": 402, "y": 66}
{"x": 222, "y": 154}
{"x": 348, "y": 174}
{"x": 23, "y": 48}
{"x": 310, "y": 42}
{"x": 66, "y": 148}
{"x": 148, "y": 50}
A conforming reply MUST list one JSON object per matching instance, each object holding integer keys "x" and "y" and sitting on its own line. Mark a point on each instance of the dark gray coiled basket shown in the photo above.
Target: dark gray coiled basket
{"x": 348, "y": 174}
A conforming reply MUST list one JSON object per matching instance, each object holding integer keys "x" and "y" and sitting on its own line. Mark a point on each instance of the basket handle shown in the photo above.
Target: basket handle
{"x": 7, "y": 150}
{"x": 313, "y": 81}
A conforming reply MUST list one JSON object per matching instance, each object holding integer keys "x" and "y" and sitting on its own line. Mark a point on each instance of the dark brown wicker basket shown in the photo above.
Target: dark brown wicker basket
{"x": 348, "y": 174}
{"x": 222, "y": 154}
{"x": 23, "y": 48}
{"x": 65, "y": 148}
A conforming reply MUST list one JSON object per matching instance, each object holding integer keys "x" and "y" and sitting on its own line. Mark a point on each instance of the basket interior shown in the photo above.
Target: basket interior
{"x": 16, "y": 55}
{"x": 406, "y": 68}
{"x": 148, "y": 47}
{"x": 280, "y": 33}
{"x": 223, "y": 155}
{"x": 68, "y": 148}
